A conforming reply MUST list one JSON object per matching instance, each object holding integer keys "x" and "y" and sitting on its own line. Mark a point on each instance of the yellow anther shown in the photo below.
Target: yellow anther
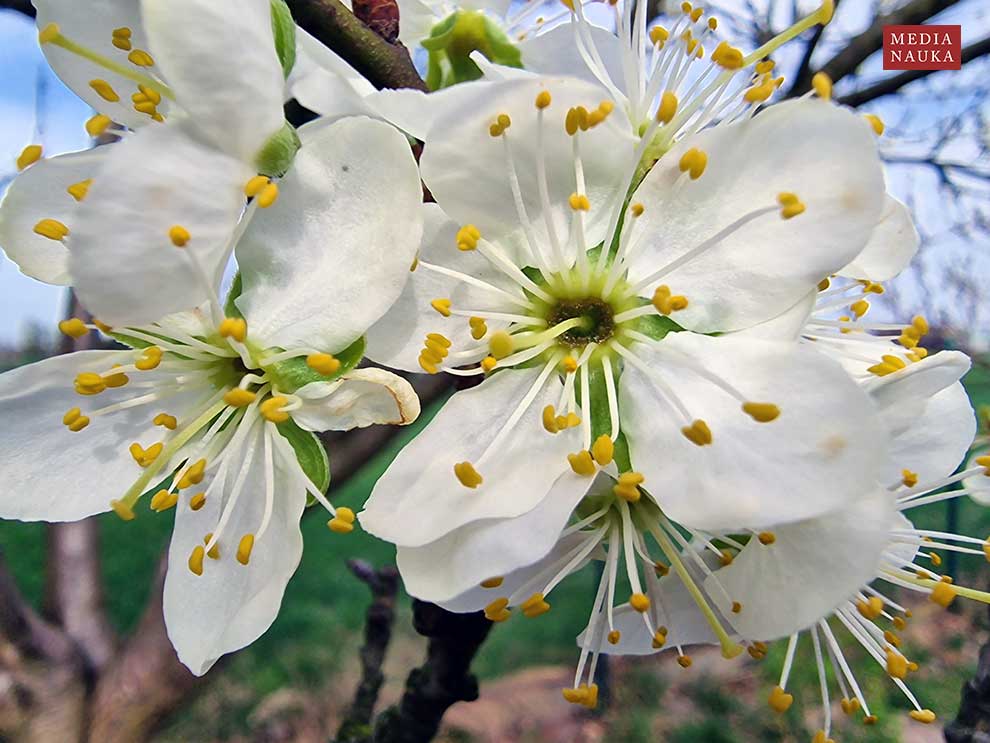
{"x": 872, "y": 608}
{"x": 79, "y": 190}
{"x": 97, "y": 125}
{"x": 698, "y": 433}
{"x": 214, "y": 551}
{"x": 543, "y": 99}
{"x": 197, "y": 501}
{"x": 684, "y": 661}
{"x": 613, "y": 637}
{"x": 73, "y": 327}
{"x": 765, "y": 67}
{"x": 88, "y": 383}
{"x": 467, "y": 237}
{"x": 74, "y": 420}
{"x": 179, "y": 235}
{"x": 123, "y": 511}
{"x": 942, "y": 594}
{"x": 254, "y": 186}
{"x": 71, "y": 415}
{"x": 492, "y": 582}
{"x": 501, "y": 344}
{"x": 271, "y": 409}
{"x": 686, "y": 8}
{"x": 145, "y": 107}
{"x": 149, "y": 94}
{"x": 849, "y": 706}
{"x": 244, "y": 548}
{"x": 876, "y": 123}
{"x": 627, "y": 487}
{"x": 502, "y": 122}
{"x": 640, "y": 602}
{"x": 193, "y": 475}
{"x": 761, "y": 412}
{"x": 488, "y": 363}
{"x": 935, "y": 558}
{"x": 268, "y": 195}
{"x": 52, "y": 229}
{"x": 667, "y": 303}
{"x": 442, "y": 306}
{"x": 428, "y": 364}
{"x": 659, "y": 35}
{"x": 659, "y": 640}
{"x": 822, "y": 84}
{"x": 780, "y": 701}
{"x": 897, "y": 665}
{"x": 759, "y": 93}
{"x": 728, "y": 57}
{"x": 117, "y": 379}
{"x": 696, "y": 14}
{"x": 163, "y": 500}
{"x": 725, "y": 558}
{"x": 104, "y": 90}
{"x": 233, "y": 327}
{"x": 479, "y": 328}
{"x": 339, "y": 524}
{"x": 922, "y": 715}
{"x": 29, "y": 156}
{"x": 637, "y": 209}
{"x": 550, "y": 419}
{"x": 497, "y": 610}
{"x": 569, "y": 364}
{"x": 534, "y": 606}
{"x": 584, "y": 695}
{"x": 323, "y": 363}
{"x": 145, "y": 457}
{"x": 824, "y": 284}
{"x": 668, "y": 107}
{"x": 859, "y": 308}
{"x": 766, "y": 537}
{"x": 49, "y": 33}
{"x": 736, "y": 607}
{"x": 121, "y": 41}
{"x": 467, "y": 475}
{"x": 791, "y": 205}
{"x": 238, "y": 398}
{"x": 196, "y": 560}
{"x": 582, "y": 463}
{"x": 693, "y": 162}
{"x": 603, "y": 450}
{"x": 140, "y": 58}
{"x": 660, "y": 569}
{"x": 579, "y": 202}
{"x": 872, "y": 287}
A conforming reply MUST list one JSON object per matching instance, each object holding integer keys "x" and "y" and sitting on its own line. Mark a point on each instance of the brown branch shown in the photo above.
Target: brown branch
{"x": 443, "y": 680}
{"x": 860, "y": 47}
{"x": 804, "y": 67}
{"x": 385, "y": 64}
{"x": 892, "y": 84}
{"x": 384, "y": 585}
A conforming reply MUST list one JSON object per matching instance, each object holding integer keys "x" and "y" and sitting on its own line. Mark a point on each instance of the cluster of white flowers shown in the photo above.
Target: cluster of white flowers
{"x": 660, "y": 279}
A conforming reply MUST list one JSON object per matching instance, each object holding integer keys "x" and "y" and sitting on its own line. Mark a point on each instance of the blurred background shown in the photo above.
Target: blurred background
{"x": 98, "y": 581}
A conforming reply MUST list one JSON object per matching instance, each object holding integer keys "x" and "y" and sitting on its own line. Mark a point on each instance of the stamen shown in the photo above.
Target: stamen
{"x": 467, "y": 475}
{"x": 29, "y": 156}
{"x": 244, "y": 548}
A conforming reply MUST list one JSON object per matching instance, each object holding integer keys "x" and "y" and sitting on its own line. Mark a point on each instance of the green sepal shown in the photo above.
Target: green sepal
{"x": 284, "y": 31}
{"x": 276, "y": 155}
{"x": 293, "y": 374}
{"x": 310, "y": 454}
{"x": 657, "y": 326}
{"x": 230, "y": 308}
{"x": 452, "y": 41}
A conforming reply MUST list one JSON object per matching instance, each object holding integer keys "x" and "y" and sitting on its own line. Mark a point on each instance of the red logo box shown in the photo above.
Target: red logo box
{"x": 922, "y": 47}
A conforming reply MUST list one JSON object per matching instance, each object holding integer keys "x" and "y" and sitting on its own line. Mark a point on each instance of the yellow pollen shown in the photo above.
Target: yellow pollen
{"x": 667, "y": 303}
{"x": 637, "y": 209}
{"x": 121, "y": 41}
{"x": 872, "y": 608}
{"x": 75, "y": 421}
{"x": 323, "y": 363}
{"x": 693, "y": 162}
{"x": 698, "y": 433}
{"x": 550, "y": 419}
{"x": 849, "y": 706}
{"x": 29, "y": 156}
{"x": 726, "y": 558}
{"x": 104, "y": 90}
{"x": 163, "y": 500}
{"x": 627, "y": 487}
{"x": 49, "y": 33}
{"x": 271, "y": 409}
{"x": 214, "y": 553}
{"x": 254, "y": 186}
{"x": 543, "y": 99}
{"x": 761, "y": 412}
{"x": 467, "y": 237}
{"x": 488, "y": 363}
{"x": 684, "y": 661}
{"x": 145, "y": 457}
{"x": 780, "y": 701}
{"x": 233, "y": 327}
{"x": 238, "y": 398}
{"x": 614, "y": 636}
{"x": 196, "y": 560}
{"x": 97, "y": 125}
{"x": 501, "y": 344}
{"x": 728, "y": 57}
{"x": 791, "y": 205}
{"x": 889, "y": 364}
{"x": 342, "y": 521}
{"x": 479, "y": 328}
{"x": 497, "y": 610}
{"x": 268, "y": 195}
{"x": 197, "y": 501}
{"x": 876, "y": 123}
{"x": 52, "y": 229}
{"x": 534, "y": 606}
{"x": 88, "y": 383}
{"x": 897, "y": 665}
{"x": 767, "y": 537}
{"x": 942, "y": 594}
{"x": 442, "y": 306}
{"x": 79, "y": 190}
{"x": 569, "y": 364}
{"x": 579, "y": 202}
{"x": 759, "y": 93}
{"x": 193, "y": 475}
{"x": 859, "y": 308}
{"x": 822, "y": 84}
{"x": 124, "y": 511}
{"x": 502, "y": 122}
{"x": 582, "y": 463}
{"x": 244, "y": 548}
{"x": 603, "y": 450}
{"x": 736, "y": 607}
{"x": 73, "y": 327}
{"x": 179, "y": 236}
{"x": 765, "y": 67}
{"x": 668, "y": 107}
{"x": 492, "y": 582}
{"x": 467, "y": 475}
{"x": 640, "y": 602}
{"x": 909, "y": 479}
{"x": 870, "y": 720}
{"x": 925, "y": 716}
{"x": 140, "y": 58}
{"x": 660, "y": 569}
{"x": 659, "y": 640}
{"x": 659, "y": 35}
{"x": 118, "y": 379}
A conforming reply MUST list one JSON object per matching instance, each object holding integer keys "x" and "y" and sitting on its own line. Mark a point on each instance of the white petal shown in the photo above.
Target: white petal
{"x": 824, "y": 154}
{"x": 361, "y": 398}
{"x": 323, "y": 82}
{"x": 900, "y": 396}
{"x": 51, "y": 473}
{"x": 219, "y": 58}
{"x": 823, "y": 451}
{"x": 91, "y": 24}
{"x": 333, "y": 253}
{"x": 465, "y": 167}
{"x": 40, "y": 193}
{"x": 811, "y": 568}
{"x": 554, "y": 52}
{"x": 978, "y": 485}
{"x": 452, "y": 568}
{"x": 123, "y": 263}
{"x": 938, "y": 440}
{"x": 786, "y": 326}
{"x": 419, "y": 499}
{"x": 417, "y": 19}
{"x": 414, "y": 111}
{"x": 397, "y": 339}
{"x": 230, "y": 605}
{"x": 891, "y": 247}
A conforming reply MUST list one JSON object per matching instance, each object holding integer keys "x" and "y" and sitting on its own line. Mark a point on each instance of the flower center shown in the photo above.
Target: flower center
{"x": 599, "y": 325}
